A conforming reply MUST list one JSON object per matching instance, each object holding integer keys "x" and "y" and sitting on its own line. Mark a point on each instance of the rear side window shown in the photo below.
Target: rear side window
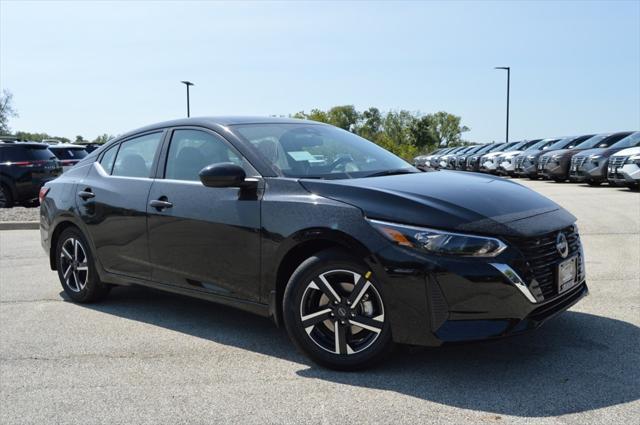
{"x": 192, "y": 150}
{"x": 108, "y": 159}
{"x": 12, "y": 154}
{"x": 135, "y": 157}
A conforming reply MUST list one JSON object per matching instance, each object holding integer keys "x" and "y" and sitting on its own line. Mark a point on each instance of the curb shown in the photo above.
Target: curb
{"x": 19, "y": 225}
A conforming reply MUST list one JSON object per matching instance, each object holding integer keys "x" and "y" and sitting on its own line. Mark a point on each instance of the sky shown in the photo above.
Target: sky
{"x": 88, "y": 68}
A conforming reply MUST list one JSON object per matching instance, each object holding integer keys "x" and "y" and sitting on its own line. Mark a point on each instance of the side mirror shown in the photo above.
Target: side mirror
{"x": 224, "y": 174}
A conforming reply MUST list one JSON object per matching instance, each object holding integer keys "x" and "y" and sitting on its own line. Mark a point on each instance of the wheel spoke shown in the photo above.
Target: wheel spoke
{"x": 76, "y": 243}
{"x": 82, "y": 267}
{"x": 66, "y": 254}
{"x": 328, "y": 290}
{"x": 358, "y": 291}
{"x": 75, "y": 277}
{"x": 368, "y": 323}
{"x": 66, "y": 274}
{"x": 315, "y": 318}
{"x": 340, "y": 335}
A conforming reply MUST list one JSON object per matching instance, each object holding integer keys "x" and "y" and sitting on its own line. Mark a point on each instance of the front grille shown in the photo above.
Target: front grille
{"x": 577, "y": 161}
{"x": 617, "y": 161}
{"x": 544, "y": 161}
{"x": 520, "y": 162}
{"x": 541, "y": 261}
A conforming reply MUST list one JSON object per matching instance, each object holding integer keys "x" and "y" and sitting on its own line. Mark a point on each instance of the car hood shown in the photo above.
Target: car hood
{"x": 466, "y": 202}
{"x": 511, "y": 153}
{"x": 562, "y": 152}
{"x": 628, "y": 152}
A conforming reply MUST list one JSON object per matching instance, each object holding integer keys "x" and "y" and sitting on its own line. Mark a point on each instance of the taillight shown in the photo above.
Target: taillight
{"x": 43, "y": 192}
{"x": 23, "y": 163}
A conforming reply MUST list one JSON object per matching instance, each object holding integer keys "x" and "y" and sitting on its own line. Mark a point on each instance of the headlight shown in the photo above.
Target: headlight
{"x": 594, "y": 157}
{"x": 439, "y": 242}
{"x": 531, "y": 157}
{"x": 633, "y": 159}
{"x": 556, "y": 157}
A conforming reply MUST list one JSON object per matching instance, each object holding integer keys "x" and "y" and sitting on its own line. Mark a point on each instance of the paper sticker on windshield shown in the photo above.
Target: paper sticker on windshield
{"x": 301, "y": 156}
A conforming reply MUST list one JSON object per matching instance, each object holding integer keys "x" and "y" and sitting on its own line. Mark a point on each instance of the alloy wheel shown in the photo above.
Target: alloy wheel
{"x": 342, "y": 312}
{"x": 75, "y": 269}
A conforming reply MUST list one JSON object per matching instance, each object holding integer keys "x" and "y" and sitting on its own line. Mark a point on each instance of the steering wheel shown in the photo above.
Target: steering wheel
{"x": 340, "y": 161}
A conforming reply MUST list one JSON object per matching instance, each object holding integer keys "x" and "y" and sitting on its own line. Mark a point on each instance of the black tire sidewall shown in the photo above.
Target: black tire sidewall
{"x": 94, "y": 288}
{"x": 7, "y": 196}
{"x": 310, "y": 269}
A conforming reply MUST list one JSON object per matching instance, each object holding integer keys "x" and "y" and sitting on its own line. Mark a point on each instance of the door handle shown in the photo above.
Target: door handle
{"x": 86, "y": 194}
{"x": 160, "y": 204}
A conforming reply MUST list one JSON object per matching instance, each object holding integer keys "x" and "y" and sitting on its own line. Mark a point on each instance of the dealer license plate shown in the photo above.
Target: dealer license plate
{"x": 567, "y": 274}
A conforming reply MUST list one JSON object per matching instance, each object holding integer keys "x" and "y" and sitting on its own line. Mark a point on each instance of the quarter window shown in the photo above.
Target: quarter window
{"x": 108, "y": 158}
{"x": 192, "y": 150}
{"x": 135, "y": 156}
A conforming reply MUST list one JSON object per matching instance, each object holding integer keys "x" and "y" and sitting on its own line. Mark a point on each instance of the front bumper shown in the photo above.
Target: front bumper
{"x": 488, "y": 167}
{"x": 472, "y": 299}
{"x": 527, "y": 169}
{"x": 588, "y": 172}
{"x": 507, "y": 167}
{"x": 553, "y": 169}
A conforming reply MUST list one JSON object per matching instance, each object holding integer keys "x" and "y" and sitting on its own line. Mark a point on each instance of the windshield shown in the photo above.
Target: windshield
{"x": 539, "y": 145}
{"x": 319, "y": 151}
{"x": 592, "y": 142}
{"x": 629, "y": 141}
{"x": 506, "y": 147}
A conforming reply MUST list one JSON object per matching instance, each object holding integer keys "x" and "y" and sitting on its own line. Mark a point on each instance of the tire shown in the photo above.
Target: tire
{"x": 633, "y": 186}
{"x": 533, "y": 177}
{"x": 6, "y": 200}
{"x": 559, "y": 179}
{"x": 594, "y": 183}
{"x": 333, "y": 339}
{"x": 76, "y": 268}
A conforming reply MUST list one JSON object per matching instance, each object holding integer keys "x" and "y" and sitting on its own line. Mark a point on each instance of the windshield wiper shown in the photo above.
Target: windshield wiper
{"x": 392, "y": 172}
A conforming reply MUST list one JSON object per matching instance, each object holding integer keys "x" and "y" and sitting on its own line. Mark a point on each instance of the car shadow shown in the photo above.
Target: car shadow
{"x": 576, "y": 362}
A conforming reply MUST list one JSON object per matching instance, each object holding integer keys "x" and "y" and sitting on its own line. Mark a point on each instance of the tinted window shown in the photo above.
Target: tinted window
{"x": 69, "y": 153}
{"x": 40, "y": 153}
{"x": 135, "y": 156}
{"x": 12, "y": 154}
{"x": 192, "y": 150}
{"x": 108, "y": 158}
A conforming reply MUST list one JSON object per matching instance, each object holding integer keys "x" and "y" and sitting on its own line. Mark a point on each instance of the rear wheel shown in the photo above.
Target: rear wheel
{"x": 334, "y": 312}
{"x": 76, "y": 268}
{"x": 6, "y": 200}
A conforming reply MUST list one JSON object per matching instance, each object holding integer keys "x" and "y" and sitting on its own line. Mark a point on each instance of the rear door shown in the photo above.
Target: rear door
{"x": 208, "y": 238}
{"x": 112, "y": 201}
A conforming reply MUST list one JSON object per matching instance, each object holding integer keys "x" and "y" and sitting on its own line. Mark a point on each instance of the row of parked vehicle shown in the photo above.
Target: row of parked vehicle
{"x": 589, "y": 158}
{"x": 25, "y": 166}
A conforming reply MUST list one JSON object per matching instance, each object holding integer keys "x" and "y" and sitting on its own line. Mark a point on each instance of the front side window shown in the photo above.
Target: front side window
{"x": 135, "y": 157}
{"x": 192, "y": 150}
{"x": 319, "y": 151}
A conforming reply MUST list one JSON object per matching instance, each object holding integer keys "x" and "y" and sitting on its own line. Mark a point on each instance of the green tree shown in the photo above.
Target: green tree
{"x": 423, "y": 135}
{"x": 6, "y": 110}
{"x": 102, "y": 139}
{"x": 370, "y": 124}
{"x": 446, "y": 128}
{"x": 345, "y": 117}
{"x": 80, "y": 139}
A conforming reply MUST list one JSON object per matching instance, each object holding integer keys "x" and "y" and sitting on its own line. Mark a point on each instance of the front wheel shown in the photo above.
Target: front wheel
{"x": 594, "y": 183}
{"x": 76, "y": 268}
{"x": 5, "y": 197}
{"x": 334, "y": 312}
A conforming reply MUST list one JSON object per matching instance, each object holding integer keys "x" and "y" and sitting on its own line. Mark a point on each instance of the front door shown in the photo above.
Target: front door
{"x": 203, "y": 238}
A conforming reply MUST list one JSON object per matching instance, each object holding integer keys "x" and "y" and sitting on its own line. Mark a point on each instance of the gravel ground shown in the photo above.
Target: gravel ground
{"x": 19, "y": 214}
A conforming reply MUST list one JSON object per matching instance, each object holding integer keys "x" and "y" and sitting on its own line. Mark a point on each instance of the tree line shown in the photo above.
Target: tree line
{"x": 402, "y": 132}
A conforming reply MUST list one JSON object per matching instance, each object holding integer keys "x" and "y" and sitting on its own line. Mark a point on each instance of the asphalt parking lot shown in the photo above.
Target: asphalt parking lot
{"x": 146, "y": 357}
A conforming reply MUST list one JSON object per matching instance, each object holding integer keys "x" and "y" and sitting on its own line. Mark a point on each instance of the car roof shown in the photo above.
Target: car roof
{"x": 24, "y": 144}
{"x": 221, "y": 121}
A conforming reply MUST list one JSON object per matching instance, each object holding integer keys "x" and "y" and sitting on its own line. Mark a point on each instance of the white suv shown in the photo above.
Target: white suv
{"x": 624, "y": 168}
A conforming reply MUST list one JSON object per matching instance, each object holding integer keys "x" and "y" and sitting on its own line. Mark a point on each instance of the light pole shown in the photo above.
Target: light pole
{"x": 188, "y": 83}
{"x": 508, "y": 84}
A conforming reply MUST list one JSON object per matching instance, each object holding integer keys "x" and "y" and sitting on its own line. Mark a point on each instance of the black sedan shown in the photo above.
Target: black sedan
{"x": 347, "y": 245}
